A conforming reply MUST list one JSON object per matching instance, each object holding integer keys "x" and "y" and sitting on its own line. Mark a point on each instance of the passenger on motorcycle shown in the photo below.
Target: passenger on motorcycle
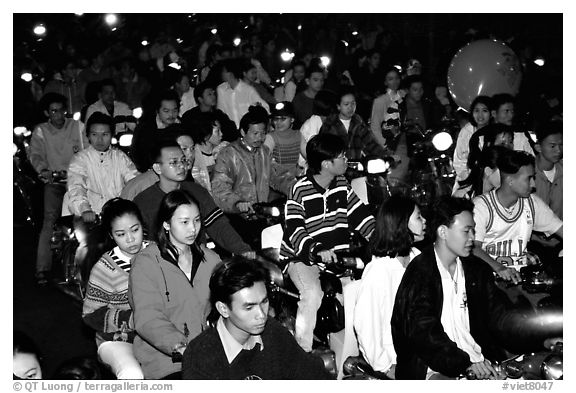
{"x": 321, "y": 211}
{"x": 358, "y": 139}
{"x": 108, "y": 105}
{"x": 106, "y": 308}
{"x": 244, "y": 171}
{"x": 245, "y": 343}
{"x": 168, "y": 288}
{"x": 51, "y": 148}
{"x": 171, "y": 167}
{"x": 505, "y": 217}
{"x": 98, "y": 173}
{"x": 449, "y": 317}
{"x": 399, "y": 225}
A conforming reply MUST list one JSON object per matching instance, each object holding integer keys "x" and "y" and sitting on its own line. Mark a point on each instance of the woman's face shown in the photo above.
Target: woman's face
{"x": 216, "y": 136}
{"x": 184, "y": 226}
{"x": 26, "y": 366}
{"x": 299, "y": 73}
{"x": 127, "y": 233}
{"x": 505, "y": 139}
{"x": 481, "y": 114}
{"x": 417, "y": 224}
{"x": 347, "y": 106}
{"x": 392, "y": 80}
{"x": 282, "y": 123}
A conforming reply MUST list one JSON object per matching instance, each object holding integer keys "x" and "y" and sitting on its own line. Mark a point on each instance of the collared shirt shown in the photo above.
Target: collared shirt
{"x": 232, "y": 347}
{"x": 235, "y": 102}
{"x": 551, "y": 191}
{"x": 161, "y": 125}
{"x": 455, "y": 318}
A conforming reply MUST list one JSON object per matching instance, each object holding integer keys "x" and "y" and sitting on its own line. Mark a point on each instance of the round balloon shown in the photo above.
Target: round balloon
{"x": 483, "y": 67}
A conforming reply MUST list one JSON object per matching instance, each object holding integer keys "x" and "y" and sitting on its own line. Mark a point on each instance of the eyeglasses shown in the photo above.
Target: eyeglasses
{"x": 176, "y": 163}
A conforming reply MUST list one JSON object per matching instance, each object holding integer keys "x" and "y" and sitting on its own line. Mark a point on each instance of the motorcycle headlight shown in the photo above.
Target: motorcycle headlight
{"x": 275, "y": 212}
{"x": 442, "y": 141}
{"x": 125, "y": 140}
{"x": 137, "y": 112}
{"x": 20, "y": 130}
{"x": 377, "y": 166}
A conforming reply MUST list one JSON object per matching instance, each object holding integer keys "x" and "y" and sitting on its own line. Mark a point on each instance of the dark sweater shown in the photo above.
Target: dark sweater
{"x": 281, "y": 358}
{"x": 213, "y": 219}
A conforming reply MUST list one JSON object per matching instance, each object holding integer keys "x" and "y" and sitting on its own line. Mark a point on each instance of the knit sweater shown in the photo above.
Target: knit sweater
{"x": 280, "y": 358}
{"x": 106, "y": 308}
{"x": 322, "y": 219}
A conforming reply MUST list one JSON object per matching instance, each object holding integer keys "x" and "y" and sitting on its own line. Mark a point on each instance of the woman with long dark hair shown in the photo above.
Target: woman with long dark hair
{"x": 399, "y": 224}
{"x": 169, "y": 288}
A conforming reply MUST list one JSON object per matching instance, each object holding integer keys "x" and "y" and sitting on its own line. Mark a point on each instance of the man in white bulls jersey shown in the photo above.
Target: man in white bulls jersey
{"x": 505, "y": 217}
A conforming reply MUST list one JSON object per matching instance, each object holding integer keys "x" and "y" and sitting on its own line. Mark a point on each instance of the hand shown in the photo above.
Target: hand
{"x": 88, "y": 216}
{"x": 327, "y": 256}
{"x": 244, "y": 207}
{"x": 249, "y": 255}
{"x": 46, "y": 176}
{"x": 510, "y": 274}
{"x": 483, "y": 370}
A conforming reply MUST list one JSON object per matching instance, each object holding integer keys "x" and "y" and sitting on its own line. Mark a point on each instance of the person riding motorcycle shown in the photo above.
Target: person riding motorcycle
{"x": 321, "y": 211}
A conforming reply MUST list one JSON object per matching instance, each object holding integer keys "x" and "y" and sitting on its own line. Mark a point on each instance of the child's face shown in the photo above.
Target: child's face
{"x": 416, "y": 91}
{"x": 504, "y": 114}
{"x": 551, "y": 148}
{"x": 481, "y": 115}
{"x": 127, "y": 233}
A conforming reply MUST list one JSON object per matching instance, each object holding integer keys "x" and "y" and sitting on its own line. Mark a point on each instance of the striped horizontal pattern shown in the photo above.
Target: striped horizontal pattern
{"x": 322, "y": 219}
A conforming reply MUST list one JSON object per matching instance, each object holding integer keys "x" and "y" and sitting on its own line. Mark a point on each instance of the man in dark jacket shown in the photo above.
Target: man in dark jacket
{"x": 449, "y": 317}
{"x": 245, "y": 343}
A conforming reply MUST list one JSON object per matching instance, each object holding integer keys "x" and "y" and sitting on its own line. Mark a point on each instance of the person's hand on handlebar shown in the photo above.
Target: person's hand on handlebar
{"x": 327, "y": 256}
{"x": 88, "y": 216}
{"x": 509, "y": 274}
{"x": 244, "y": 207}
{"x": 483, "y": 370}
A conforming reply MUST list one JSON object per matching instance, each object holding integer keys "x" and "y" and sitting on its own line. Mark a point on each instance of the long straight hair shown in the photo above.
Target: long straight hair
{"x": 168, "y": 206}
{"x": 392, "y": 237}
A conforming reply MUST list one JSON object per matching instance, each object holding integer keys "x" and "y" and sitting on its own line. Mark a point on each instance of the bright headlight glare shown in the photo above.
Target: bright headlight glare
{"x": 125, "y": 140}
{"x": 377, "y": 166}
{"x": 442, "y": 141}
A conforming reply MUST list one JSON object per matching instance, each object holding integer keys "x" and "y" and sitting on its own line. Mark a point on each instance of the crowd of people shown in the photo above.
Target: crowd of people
{"x": 217, "y": 140}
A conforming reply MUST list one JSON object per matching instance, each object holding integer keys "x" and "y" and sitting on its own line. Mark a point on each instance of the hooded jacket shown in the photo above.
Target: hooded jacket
{"x": 168, "y": 309}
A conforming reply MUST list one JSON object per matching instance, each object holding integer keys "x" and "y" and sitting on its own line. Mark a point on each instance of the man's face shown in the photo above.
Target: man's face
{"x": 100, "y": 136}
{"x": 504, "y": 114}
{"x": 347, "y": 106}
{"x": 184, "y": 84}
{"x": 338, "y": 165}
{"x": 316, "y": 81}
{"x": 168, "y": 112}
{"x": 551, "y": 148}
{"x": 108, "y": 95}
{"x": 255, "y": 135}
{"x": 416, "y": 91}
{"x": 208, "y": 97}
{"x": 460, "y": 235}
{"x": 522, "y": 183}
{"x": 187, "y": 145}
{"x": 56, "y": 114}
{"x": 172, "y": 165}
{"x": 248, "y": 311}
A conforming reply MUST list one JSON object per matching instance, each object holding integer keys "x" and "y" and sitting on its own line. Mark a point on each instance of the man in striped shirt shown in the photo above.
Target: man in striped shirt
{"x": 321, "y": 211}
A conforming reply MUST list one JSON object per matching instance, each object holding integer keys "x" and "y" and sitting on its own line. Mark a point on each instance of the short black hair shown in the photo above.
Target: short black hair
{"x": 233, "y": 275}
{"x": 344, "y": 91}
{"x": 323, "y": 147}
{"x": 510, "y": 161}
{"x": 500, "y": 99}
{"x": 410, "y": 80}
{"x": 158, "y": 147}
{"x": 544, "y": 130}
{"x": 50, "y": 98}
{"x": 324, "y": 103}
{"x": 233, "y": 66}
{"x": 167, "y": 95}
{"x": 312, "y": 69}
{"x": 200, "y": 89}
{"x": 107, "y": 82}
{"x": 445, "y": 209}
{"x": 256, "y": 114}
{"x": 201, "y": 130}
{"x": 100, "y": 118}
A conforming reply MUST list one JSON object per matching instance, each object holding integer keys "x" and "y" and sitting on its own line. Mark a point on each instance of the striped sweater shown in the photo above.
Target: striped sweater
{"x": 318, "y": 218}
{"x": 106, "y": 308}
